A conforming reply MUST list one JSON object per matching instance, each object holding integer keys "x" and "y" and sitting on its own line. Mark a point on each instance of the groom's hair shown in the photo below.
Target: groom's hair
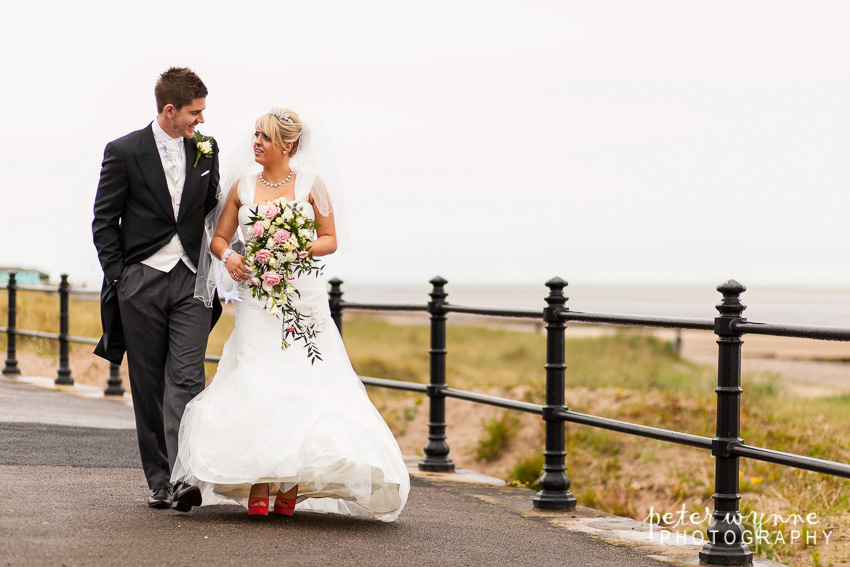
{"x": 178, "y": 86}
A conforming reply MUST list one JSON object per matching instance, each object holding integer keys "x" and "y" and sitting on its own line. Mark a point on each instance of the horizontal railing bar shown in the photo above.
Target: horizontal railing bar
{"x": 638, "y": 320}
{"x": 54, "y": 336}
{"x": 791, "y": 460}
{"x": 800, "y": 331}
{"x": 382, "y": 306}
{"x": 493, "y": 401}
{"x": 635, "y": 429}
{"x": 394, "y": 384}
{"x": 84, "y": 292}
{"x": 49, "y": 288}
{"x": 36, "y": 334}
{"x": 83, "y": 340}
{"x": 495, "y": 312}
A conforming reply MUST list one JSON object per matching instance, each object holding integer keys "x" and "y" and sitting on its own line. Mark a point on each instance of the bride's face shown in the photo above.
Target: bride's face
{"x": 264, "y": 151}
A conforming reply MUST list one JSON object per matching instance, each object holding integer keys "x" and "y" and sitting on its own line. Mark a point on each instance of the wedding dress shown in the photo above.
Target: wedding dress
{"x": 269, "y": 415}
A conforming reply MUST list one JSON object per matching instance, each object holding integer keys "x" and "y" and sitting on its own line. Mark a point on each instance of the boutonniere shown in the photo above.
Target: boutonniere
{"x": 204, "y": 145}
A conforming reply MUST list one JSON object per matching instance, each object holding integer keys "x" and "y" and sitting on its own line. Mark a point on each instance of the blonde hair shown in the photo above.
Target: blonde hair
{"x": 281, "y": 131}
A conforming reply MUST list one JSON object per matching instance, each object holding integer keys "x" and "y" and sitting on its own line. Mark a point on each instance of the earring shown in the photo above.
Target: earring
{"x": 284, "y": 152}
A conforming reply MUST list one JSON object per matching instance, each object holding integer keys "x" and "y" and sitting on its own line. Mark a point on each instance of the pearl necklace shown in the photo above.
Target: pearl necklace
{"x": 277, "y": 184}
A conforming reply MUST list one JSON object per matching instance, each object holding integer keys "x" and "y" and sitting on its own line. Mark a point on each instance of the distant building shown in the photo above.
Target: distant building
{"x": 24, "y": 276}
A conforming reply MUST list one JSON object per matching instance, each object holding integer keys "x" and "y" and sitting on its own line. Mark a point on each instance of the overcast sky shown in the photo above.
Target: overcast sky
{"x": 612, "y": 142}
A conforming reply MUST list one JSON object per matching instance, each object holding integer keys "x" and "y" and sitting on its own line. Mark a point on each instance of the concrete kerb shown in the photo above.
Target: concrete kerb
{"x": 640, "y": 537}
{"x": 78, "y": 390}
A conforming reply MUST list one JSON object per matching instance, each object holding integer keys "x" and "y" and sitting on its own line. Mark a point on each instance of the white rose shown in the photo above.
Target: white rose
{"x": 291, "y": 256}
{"x": 304, "y": 233}
{"x": 279, "y": 221}
{"x": 270, "y": 243}
{"x": 287, "y": 214}
{"x": 272, "y": 262}
{"x": 266, "y": 223}
{"x": 206, "y": 147}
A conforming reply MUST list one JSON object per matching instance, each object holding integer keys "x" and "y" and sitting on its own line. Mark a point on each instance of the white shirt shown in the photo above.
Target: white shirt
{"x": 167, "y": 257}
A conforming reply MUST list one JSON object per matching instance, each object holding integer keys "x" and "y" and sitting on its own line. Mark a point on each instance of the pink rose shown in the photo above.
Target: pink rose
{"x": 281, "y": 236}
{"x": 271, "y": 278}
{"x": 303, "y": 254}
{"x": 263, "y": 256}
{"x": 257, "y": 229}
{"x": 272, "y": 212}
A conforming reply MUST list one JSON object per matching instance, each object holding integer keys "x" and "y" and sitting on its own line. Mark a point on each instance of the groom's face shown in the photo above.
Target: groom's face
{"x": 182, "y": 122}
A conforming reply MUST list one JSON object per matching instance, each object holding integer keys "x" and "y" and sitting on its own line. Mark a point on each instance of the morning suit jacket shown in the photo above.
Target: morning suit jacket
{"x": 134, "y": 217}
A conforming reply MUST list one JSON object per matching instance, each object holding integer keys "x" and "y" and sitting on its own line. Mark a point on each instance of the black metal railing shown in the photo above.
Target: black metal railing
{"x": 114, "y": 385}
{"x": 725, "y": 545}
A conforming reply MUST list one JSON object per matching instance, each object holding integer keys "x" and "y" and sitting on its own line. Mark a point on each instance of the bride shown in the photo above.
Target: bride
{"x": 271, "y": 421}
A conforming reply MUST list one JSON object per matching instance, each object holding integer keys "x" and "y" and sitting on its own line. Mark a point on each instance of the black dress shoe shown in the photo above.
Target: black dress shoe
{"x": 160, "y": 498}
{"x": 186, "y": 496}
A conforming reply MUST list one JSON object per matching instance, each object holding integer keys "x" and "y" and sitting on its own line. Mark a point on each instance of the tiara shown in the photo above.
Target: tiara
{"x": 275, "y": 111}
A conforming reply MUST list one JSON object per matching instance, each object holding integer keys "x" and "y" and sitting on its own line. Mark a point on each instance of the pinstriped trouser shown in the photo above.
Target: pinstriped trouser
{"x": 166, "y": 331}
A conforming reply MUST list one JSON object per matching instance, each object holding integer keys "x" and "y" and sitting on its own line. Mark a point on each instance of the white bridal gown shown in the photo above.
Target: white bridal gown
{"x": 271, "y": 416}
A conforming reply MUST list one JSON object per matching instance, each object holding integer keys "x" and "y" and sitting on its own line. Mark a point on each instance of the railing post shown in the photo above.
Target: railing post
{"x": 335, "y": 302}
{"x": 725, "y": 534}
{"x": 63, "y": 376}
{"x": 436, "y": 457}
{"x": 114, "y": 387}
{"x": 554, "y": 484}
{"x": 11, "y": 368}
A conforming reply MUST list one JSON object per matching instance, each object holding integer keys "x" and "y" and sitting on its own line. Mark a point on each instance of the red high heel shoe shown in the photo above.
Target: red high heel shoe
{"x": 285, "y": 506}
{"x": 259, "y": 507}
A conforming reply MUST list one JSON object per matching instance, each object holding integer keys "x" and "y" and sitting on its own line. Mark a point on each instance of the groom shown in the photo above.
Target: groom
{"x": 154, "y": 193}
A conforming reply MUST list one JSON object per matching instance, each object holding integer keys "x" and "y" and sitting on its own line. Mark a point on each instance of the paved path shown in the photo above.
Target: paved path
{"x": 73, "y": 494}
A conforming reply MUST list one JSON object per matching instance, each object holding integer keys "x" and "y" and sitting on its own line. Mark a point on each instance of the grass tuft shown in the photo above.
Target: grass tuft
{"x": 498, "y": 433}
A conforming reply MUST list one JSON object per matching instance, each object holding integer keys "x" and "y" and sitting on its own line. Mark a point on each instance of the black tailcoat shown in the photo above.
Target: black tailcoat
{"x": 133, "y": 218}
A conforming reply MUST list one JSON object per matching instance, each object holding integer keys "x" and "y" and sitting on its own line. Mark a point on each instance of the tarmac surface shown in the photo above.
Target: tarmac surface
{"x": 73, "y": 494}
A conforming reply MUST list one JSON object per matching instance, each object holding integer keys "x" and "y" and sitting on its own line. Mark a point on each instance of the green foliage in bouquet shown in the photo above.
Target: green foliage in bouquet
{"x": 278, "y": 251}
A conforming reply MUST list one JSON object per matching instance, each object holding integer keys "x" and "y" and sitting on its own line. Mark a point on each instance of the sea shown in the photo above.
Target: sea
{"x": 825, "y": 306}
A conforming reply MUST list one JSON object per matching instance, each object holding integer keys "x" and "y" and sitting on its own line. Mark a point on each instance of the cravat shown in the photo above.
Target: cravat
{"x": 172, "y": 151}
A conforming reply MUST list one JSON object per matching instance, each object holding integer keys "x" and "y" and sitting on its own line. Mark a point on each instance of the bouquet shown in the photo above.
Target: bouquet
{"x": 276, "y": 251}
